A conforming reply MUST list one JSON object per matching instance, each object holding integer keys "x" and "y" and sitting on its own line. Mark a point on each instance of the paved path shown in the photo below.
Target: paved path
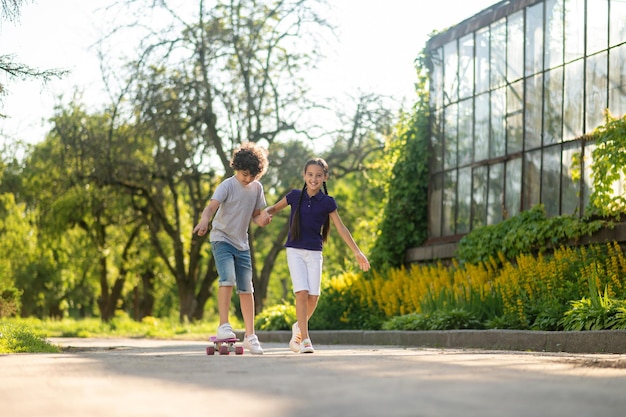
{"x": 132, "y": 378}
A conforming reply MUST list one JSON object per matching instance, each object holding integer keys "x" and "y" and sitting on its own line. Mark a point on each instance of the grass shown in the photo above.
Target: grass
{"x": 30, "y": 335}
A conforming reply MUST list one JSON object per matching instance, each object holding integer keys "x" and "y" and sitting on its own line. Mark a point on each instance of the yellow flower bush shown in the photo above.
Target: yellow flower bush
{"x": 532, "y": 292}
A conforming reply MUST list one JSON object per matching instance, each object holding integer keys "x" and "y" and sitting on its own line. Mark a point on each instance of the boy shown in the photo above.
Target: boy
{"x": 234, "y": 203}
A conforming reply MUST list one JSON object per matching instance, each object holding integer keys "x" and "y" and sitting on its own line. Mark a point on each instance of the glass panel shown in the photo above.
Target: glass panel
{"x": 498, "y": 54}
{"x": 532, "y": 179}
{"x": 597, "y": 28}
{"x": 450, "y": 137}
{"x": 617, "y": 80}
{"x": 551, "y": 180}
{"x": 514, "y": 119}
{"x": 466, "y": 124}
{"x": 498, "y": 132}
{"x": 450, "y": 73}
{"x": 570, "y": 189}
{"x": 481, "y": 126}
{"x": 573, "y": 106}
{"x": 479, "y": 197}
{"x": 553, "y": 107}
{"x": 436, "y": 142}
{"x": 617, "y": 28}
{"x": 534, "y": 39}
{"x": 533, "y": 110}
{"x": 515, "y": 50}
{"x": 434, "y": 205}
{"x": 513, "y": 184}
{"x": 574, "y": 29}
{"x": 449, "y": 203}
{"x": 436, "y": 79}
{"x": 554, "y": 33}
{"x": 588, "y": 180}
{"x": 464, "y": 201}
{"x": 496, "y": 188}
{"x": 466, "y": 66}
{"x": 482, "y": 60}
{"x": 596, "y": 88}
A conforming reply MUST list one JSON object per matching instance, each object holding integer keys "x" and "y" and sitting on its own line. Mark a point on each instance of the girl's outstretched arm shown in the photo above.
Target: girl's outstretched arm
{"x": 271, "y": 210}
{"x": 345, "y": 234}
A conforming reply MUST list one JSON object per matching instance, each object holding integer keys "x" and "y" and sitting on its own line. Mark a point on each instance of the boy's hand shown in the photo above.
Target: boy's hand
{"x": 263, "y": 219}
{"x": 201, "y": 228}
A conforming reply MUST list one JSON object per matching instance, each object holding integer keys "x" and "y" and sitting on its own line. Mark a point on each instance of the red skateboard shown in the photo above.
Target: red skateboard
{"x": 224, "y": 346}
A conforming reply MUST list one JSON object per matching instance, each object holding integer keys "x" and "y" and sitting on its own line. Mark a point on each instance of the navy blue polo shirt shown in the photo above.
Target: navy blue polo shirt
{"x": 313, "y": 214}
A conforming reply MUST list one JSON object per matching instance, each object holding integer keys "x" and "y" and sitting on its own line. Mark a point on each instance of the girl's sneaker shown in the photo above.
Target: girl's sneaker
{"x": 306, "y": 346}
{"x": 296, "y": 338}
{"x": 252, "y": 344}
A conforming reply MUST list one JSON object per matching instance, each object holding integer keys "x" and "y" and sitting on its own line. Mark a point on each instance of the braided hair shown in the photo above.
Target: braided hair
{"x": 295, "y": 224}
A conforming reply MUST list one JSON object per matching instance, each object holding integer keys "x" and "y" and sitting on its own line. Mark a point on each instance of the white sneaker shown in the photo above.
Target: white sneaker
{"x": 225, "y": 331}
{"x": 307, "y": 346}
{"x": 252, "y": 344}
{"x": 296, "y": 338}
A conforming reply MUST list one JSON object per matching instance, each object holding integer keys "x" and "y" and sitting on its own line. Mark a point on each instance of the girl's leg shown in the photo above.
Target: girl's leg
{"x": 305, "y": 306}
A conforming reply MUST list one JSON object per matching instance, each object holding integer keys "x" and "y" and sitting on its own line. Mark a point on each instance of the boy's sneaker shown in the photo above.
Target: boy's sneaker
{"x": 306, "y": 346}
{"x": 252, "y": 344}
{"x": 225, "y": 331}
{"x": 296, "y": 338}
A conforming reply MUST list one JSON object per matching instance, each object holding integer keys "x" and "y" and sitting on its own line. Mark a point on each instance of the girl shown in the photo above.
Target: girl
{"x": 311, "y": 212}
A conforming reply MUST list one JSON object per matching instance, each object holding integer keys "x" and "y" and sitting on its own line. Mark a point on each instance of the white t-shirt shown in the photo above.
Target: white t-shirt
{"x": 237, "y": 203}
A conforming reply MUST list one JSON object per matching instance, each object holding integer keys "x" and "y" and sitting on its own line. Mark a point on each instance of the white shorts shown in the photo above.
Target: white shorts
{"x": 305, "y": 267}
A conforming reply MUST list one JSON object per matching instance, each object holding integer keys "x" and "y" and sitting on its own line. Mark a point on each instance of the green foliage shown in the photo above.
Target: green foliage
{"x": 405, "y": 218}
{"x": 9, "y": 301}
{"x": 597, "y": 312}
{"x": 608, "y": 167}
{"x": 450, "y": 319}
{"x": 340, "y": 306}
{"x": 21, "y": 339}
{"x": 276, "y": 317}
{"x": 528, "y": 232}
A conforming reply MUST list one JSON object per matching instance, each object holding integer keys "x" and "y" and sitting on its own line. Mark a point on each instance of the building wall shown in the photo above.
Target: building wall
{"x": 514, "y": 90}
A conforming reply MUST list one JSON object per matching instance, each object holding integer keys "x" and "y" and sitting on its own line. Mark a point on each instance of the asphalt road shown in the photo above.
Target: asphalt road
{"x": 131, "y": 378}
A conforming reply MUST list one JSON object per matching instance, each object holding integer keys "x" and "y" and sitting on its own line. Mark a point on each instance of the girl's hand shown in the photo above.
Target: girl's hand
{"x": 364, "y": 264}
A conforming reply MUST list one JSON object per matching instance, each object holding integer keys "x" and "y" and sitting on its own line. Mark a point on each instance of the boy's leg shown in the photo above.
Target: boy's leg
{"x": 223, "y": 302}
{"x": 247, "y": 311}
{"x": 223, "y": 253}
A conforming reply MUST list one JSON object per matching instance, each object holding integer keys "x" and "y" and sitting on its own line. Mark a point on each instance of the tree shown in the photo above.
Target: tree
{"x": 13, "y": 69}
{"x": 227, "y": 76}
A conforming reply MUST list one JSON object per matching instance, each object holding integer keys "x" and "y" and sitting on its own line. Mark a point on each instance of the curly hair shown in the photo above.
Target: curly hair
{"x": 250, "y": 157}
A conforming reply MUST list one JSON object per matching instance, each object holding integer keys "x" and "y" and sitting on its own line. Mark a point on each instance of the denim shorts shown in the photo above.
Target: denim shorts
{"x": 305, "y": 268}
{"x": 234, "y": 266}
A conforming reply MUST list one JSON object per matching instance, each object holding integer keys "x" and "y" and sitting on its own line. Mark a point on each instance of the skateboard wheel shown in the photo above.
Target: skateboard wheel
{"x": 210, "y": 350}
{"x": 239, "y": 350}
{"x": 223, "y": 350}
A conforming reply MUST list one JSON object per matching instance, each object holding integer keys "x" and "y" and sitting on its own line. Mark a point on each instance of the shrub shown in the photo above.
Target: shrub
{"x": 20, "y": 339}
{"x": 276, "y": 317}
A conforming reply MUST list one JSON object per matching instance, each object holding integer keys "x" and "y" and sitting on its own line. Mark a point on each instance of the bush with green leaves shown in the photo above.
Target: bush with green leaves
{"x": 21, "y": 339}
{"x": 451, "y": 319}
{"x": 276, "y": 317}
{"x": 528, "y": 232}
{"x": 597, "y": 312}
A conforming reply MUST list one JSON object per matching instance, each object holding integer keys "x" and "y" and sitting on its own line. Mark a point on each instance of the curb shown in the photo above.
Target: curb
{"x": 598, "y": 341}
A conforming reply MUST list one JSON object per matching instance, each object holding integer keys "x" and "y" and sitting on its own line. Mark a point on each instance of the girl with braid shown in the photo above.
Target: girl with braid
{"x": 311, "y": 212}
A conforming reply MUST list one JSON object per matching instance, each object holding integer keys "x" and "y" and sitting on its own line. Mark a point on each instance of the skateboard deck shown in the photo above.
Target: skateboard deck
{"x": 224, "y": 346}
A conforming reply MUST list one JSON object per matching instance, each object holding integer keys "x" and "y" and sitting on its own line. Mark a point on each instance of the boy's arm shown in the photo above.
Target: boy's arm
{"x": 207, "y": 214}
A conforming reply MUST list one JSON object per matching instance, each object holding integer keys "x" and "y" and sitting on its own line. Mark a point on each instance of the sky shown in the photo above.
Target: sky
{"x": 377, "y": 45}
